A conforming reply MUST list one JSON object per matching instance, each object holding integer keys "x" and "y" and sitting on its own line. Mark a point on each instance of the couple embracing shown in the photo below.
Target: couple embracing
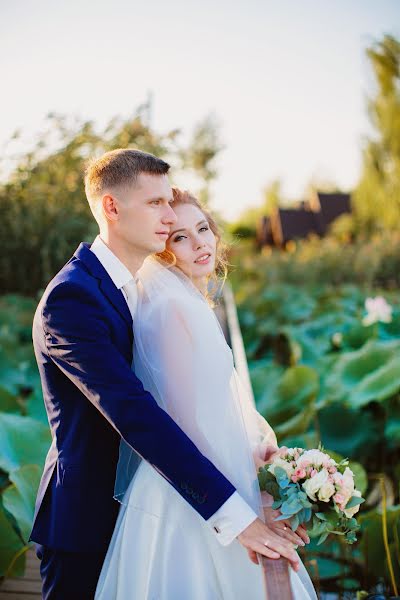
{"x": 149, "y": 490}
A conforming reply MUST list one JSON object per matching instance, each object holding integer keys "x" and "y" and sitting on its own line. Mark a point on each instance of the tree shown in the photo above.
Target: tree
{"x": 377, "y": 197}
{"x": 272, "y": 197}
{"x": 250, "y": 219}
{"x": 43, "y": 206}
{"x": 199, "y": 156}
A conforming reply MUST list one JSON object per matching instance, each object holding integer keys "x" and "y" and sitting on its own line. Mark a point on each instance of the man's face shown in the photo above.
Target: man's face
{"x": 145, "y": 214}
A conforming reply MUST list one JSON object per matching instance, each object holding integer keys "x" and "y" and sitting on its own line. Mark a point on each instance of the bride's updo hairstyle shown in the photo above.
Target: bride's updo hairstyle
{"x": 217, "y": 278}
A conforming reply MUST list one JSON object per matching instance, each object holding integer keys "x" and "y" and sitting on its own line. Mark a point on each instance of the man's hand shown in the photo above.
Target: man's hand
{"x": 258, "y": 538}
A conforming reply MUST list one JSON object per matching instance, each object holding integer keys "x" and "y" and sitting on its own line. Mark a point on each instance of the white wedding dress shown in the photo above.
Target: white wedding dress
{"x": 161, "y": 548}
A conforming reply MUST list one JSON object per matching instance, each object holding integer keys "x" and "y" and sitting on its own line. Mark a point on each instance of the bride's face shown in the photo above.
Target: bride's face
{"x": 192, "y": 242}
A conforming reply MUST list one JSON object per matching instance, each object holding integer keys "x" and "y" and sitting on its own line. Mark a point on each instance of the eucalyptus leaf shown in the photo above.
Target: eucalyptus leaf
{"x": 294, "y": 522}
{"x": 321, "y": 516}
{"x": 354, "y": 501}
{"x": 323, "y": 538}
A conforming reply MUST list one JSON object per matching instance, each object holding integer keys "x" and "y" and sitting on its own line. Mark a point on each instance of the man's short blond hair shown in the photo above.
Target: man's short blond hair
{"x": 119, "y": 169}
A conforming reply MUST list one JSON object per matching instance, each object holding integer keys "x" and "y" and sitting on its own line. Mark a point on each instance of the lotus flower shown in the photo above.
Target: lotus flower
{"x": 377, "y": 310}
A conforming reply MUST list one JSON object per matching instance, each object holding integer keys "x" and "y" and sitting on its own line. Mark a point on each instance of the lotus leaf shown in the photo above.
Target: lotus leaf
{"x": 10, "y": 545}
{"x": 291, "y": 395}
{"x": 19, "y": 498}
{"x": 22, "y": 441}
{"x": 365, "y": 374}
{"x": 351, "y": 433}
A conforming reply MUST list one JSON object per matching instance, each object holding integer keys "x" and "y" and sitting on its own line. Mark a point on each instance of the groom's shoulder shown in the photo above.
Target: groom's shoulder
{"x": 73, "y": 276}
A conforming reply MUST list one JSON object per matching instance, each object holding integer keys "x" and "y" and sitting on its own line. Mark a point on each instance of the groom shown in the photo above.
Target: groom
{"x": 82, "y": 335}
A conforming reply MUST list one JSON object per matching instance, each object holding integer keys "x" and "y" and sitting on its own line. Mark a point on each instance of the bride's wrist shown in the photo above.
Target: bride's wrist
{"x": 266, "y": 500}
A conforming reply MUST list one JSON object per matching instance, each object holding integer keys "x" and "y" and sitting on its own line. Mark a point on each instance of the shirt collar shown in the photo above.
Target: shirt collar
{"x": 118, "y": 272}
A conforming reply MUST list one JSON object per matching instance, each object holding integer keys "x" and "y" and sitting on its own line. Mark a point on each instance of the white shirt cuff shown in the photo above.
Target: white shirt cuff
{"x": 231, "y": 519}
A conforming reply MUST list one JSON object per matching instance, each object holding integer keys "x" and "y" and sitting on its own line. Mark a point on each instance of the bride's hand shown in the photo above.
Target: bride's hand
{"x": 282, "y": 528}
{"x": 264, "y": 453}
{"x": 258, "y": 538}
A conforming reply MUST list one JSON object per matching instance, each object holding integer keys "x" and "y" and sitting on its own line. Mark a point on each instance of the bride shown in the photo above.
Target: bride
{"x": 161, "y": 547}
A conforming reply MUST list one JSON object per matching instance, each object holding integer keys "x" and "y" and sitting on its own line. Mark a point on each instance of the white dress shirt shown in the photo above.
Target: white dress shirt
{"x": 121, "y": 277}
{"x": 235, "y": 514}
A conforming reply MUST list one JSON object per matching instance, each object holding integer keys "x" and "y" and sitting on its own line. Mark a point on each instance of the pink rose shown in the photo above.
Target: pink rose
{"x": 338, "y": 478}
{"x": 300, "y": 473}
{"x": 339, "y": 499}
{"x": 313, "y": 472}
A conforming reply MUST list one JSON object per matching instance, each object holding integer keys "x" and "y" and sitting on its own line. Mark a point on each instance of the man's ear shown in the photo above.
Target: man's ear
{"x": 110, "y": 207}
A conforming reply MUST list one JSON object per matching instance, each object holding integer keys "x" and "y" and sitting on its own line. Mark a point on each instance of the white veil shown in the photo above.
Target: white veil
{"x": 182, "y": 358}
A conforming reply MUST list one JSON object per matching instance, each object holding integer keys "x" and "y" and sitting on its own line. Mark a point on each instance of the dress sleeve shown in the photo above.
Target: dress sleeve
{"x": 185, "y": 362}
{"x": 175, "y": 367}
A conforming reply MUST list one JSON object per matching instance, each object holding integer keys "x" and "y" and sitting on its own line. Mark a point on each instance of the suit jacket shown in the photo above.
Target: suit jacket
{"x": 82, "y": 335}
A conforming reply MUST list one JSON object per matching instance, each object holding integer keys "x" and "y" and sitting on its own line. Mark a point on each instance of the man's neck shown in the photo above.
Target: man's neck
{"x": 130, "y": 257}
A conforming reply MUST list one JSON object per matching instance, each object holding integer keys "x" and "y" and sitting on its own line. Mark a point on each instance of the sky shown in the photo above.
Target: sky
{"x": 287, "y": 80}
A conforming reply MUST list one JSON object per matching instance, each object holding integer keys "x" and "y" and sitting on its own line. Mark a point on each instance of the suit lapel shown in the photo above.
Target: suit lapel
{"x": 113, "y": 294}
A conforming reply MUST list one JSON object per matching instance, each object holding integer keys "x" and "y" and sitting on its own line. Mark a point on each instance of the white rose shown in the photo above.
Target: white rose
{"x": 348, "y": 479}
{"x": 314, "y": 484}
{"x": 350, "y": 512}
{"x": 314, "y": 457}
{"x": 326, "y": 491}
{"x": 279, "y": 462}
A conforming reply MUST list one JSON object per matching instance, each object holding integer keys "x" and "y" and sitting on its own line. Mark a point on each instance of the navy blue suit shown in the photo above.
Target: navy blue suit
{"x": 82, "y": 335}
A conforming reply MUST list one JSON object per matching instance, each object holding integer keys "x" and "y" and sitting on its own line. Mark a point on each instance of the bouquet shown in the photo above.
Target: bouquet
{"x": 310, "y": 485}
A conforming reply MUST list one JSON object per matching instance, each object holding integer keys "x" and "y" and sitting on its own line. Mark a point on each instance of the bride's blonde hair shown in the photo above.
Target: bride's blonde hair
{"x": 219, "y": 274}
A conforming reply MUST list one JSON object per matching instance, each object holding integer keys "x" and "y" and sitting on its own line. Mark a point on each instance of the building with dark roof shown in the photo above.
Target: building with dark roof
{"x": 312, "y": 217}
